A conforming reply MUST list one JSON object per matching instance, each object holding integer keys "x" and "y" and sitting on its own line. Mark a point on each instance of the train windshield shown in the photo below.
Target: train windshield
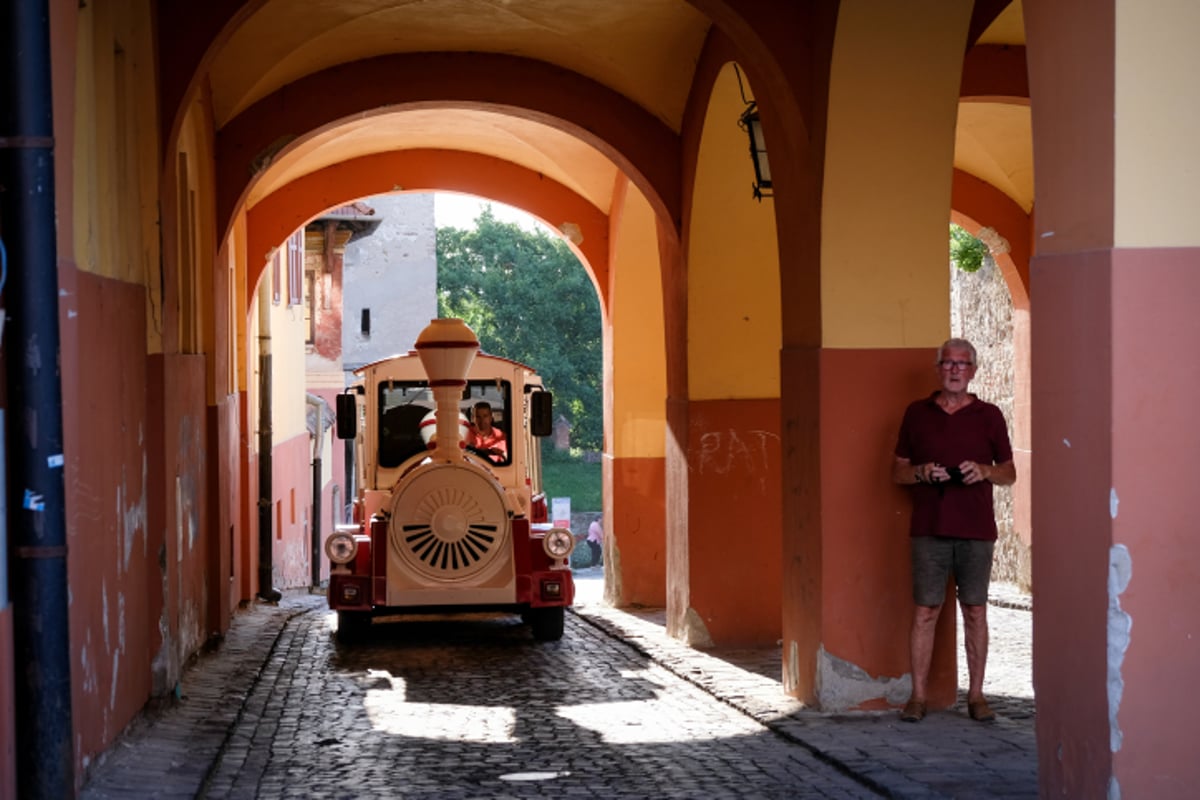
{"x": 408, "y": 420}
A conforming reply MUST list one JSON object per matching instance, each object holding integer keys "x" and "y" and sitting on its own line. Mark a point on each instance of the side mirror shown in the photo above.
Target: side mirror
{"x": 541, "y": 413}
{"x": 347, "y": 416}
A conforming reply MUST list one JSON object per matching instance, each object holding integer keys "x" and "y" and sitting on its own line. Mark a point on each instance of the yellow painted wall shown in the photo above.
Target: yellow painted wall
{"x": 888, "y": 168}
{"x": 288, "y": 383}
{"x": 1157, "y": 124}
{"x": 235, "y": 249}
{"x": 253, "y": 363}
{"x": 116, "y": 153}
{"x": 734, "y": 324}
{"x": 191, "y": 255}
{"x": 639, "y": 371}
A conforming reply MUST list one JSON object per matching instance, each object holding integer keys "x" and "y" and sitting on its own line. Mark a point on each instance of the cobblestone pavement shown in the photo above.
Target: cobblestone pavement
{"x": 475, "y": 709}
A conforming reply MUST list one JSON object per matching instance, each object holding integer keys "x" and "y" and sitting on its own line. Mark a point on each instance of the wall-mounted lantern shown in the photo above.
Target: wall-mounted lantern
{"x": 750, "y": 122}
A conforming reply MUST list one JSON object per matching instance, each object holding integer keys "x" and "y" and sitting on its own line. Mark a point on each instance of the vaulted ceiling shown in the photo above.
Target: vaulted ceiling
{"x": 643, "y": 50}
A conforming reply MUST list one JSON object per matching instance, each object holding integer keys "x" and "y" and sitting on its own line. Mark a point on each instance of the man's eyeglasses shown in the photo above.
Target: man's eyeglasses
{"x": 952, "y": 365}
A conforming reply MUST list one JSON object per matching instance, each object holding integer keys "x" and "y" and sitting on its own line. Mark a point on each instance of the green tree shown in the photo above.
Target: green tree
{"x": 528, "y": 298}
{"x": 966, "y": 251}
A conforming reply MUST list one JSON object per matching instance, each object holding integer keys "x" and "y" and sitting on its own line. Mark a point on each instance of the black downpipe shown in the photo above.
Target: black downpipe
{"x": 36, "y": 492}
{"x": 316, "y": 520}
{"x": 350, "y": 481}
{"x": 266, "y": 505}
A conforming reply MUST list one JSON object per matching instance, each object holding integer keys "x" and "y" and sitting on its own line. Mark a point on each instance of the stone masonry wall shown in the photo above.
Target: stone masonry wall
{"x": 981, "y": 311}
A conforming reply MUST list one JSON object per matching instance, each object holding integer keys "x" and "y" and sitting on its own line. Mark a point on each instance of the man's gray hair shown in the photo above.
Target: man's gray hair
{"x": 957, "y": 344}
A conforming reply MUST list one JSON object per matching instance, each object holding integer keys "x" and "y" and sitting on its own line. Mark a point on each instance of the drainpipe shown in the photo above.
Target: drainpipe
{"x": 38, "y": 542}
{"x": 266, "y": 498}
{"x": 318, "y": 405}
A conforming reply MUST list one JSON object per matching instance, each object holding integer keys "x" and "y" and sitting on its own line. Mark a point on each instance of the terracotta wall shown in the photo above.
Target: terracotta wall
{"x": 116, "y": 586}
{"x": 224, "y": 503}
{"x": 636, "y": 510}
{"x": 1072, "y": 447}
{"x": 733, "y": 542}
{"x": 180, "y": 509}
{"x": 867, "y": 578}
{"x": 1153, "y": 576}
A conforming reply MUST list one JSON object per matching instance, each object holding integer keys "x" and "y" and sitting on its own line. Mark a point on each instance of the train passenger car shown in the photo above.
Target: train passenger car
{"x": 444, "y": 520}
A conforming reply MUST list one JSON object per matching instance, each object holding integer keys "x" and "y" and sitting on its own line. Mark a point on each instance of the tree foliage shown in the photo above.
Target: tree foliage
{"x": 528, "y": 298}
{"x": 966, "y": 251}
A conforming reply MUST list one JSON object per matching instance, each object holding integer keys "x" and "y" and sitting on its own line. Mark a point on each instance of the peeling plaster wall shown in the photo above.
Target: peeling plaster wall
{"x": 842, "y": 684}
{"x": 1120, "y": 625}
{"x": 180, "y": 519}
{"x": 189, "y": 526}
{"x": 111, "y": 557}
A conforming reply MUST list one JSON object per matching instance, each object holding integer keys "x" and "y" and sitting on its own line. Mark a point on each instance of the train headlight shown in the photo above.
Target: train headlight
{"x": 341, "y": 548}
{"x": 558, "y": 543}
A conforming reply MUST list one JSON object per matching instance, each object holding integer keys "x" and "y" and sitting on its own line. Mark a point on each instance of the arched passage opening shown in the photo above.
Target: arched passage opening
{"x": 305, "y": 178}
{"x": 992, "y": 196}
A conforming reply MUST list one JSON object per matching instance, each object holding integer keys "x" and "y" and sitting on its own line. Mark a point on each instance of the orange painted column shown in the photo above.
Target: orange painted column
{"x": 1116, "y": 279}
{"x": 729, "y": 591}
{"x": 884, "y": 308}
{"x": 635, "y": 414}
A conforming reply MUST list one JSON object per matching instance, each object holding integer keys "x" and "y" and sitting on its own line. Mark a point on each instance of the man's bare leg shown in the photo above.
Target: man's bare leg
{"x": 975, "y": 634}
{"x": 921, "y": 647}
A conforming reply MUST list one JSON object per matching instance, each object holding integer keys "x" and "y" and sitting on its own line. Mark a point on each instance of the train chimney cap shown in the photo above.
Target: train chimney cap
{"x": 447, "y": 347}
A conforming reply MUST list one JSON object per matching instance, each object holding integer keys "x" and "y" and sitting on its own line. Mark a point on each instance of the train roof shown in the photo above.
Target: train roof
{"x": 360, "y": 371}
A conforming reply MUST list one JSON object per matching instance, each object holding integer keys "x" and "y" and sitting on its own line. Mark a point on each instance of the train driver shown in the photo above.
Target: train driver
{"x": 485, "y": 438}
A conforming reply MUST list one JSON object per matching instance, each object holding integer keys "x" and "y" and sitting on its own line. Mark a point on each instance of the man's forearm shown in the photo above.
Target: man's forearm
{"x": 1002, "y": 474}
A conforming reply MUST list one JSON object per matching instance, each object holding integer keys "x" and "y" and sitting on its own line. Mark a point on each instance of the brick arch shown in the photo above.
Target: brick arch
{"x": 641, "y": 145}
{"x": 271, "y": 220}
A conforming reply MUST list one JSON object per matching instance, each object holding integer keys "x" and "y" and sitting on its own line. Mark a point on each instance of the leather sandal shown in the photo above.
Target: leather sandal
{"x": 914, "y": 711}
{"x": 980, "y": 711}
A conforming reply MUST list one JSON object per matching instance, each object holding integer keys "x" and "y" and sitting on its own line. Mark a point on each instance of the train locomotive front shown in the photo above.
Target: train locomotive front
{"x": 441, "y": 526}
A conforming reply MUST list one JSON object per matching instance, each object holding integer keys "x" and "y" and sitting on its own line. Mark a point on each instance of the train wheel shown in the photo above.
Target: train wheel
{"x": 547, "y": 623}
{"x": 353, "y": 626}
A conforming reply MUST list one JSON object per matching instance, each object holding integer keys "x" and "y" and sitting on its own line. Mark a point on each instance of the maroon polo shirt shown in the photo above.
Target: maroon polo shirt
{"x": 977, "y": 432}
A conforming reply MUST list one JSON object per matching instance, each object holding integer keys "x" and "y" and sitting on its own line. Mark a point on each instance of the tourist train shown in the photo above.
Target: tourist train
{"x": 439, "y": 525}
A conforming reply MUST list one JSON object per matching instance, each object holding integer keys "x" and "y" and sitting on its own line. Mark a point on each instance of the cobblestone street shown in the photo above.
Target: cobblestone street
{"x": 475, "y": 708}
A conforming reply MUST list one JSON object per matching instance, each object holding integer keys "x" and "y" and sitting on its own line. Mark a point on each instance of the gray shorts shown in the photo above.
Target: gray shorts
{"x": 935, "y": 558}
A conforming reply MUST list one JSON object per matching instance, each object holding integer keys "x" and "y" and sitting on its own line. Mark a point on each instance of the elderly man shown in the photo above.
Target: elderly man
{"x": 952, "y": 448}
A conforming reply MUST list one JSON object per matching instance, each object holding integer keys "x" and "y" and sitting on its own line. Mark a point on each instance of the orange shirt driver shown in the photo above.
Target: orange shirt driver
{"x": 485, "y": 438}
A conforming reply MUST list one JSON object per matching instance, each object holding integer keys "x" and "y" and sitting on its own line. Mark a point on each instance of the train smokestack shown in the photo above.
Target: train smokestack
{"x": 447, "y": 348}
